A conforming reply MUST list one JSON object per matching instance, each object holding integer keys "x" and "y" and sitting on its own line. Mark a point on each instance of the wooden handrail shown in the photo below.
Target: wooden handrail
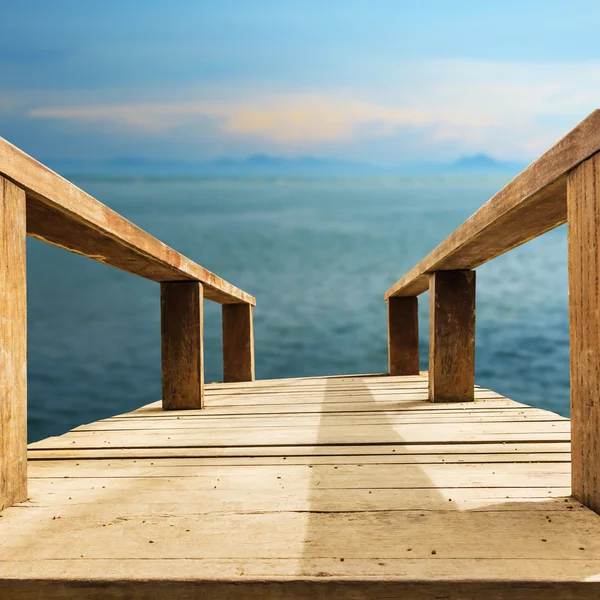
{"x": 563, "y": 185}
{"x": 533, "y": 203}
{"x": 36, "y": 201}
{"x": 61, "y": 214}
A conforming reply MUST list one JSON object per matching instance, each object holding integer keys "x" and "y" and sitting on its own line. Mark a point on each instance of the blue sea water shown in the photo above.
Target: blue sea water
{"x": 318, "y": 255}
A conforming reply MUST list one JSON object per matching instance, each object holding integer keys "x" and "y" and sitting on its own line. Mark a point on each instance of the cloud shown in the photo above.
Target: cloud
{"x": 508, "y": 109}
{"x": 303, "y": 118}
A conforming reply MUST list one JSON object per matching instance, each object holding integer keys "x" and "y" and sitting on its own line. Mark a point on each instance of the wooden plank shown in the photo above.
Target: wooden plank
{"x": 403, "y": 336}
{"x": 60, "y": 213}
{"x": 445, "y": 451}
{"x": 447, "y": 433}
{"x": 316, "y": 420}
{"x": 311, "y": 476}
{"x": 382, "y": 379}
{"x": 584, "y": 299}
{"x": 238, "y": 343}
{"x": 531, "y": 204}
{"x": 197, "y": 502}
{"x": 54, "y": 466}
{"x": 263, "y": 580}
{"x": 313, "y": 536}
{"x": 182, "y": 326}
{"x": 209, "y": 414}
{"x": 326, "y": 405}
{"x": 13, "y": 346}
{"x": 452, "y": 336}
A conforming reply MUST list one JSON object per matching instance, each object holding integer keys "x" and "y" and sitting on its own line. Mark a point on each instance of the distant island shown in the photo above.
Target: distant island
{"x": 485, "y": 163}
{"x": 263, "y": 165}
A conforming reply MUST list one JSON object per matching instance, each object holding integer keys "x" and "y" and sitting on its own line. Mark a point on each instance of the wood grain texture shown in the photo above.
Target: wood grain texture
{"x": 298, "y": 588}
{"x": 13, "y": 346}
{"x": 395, "y": 501}
{"x": 238, "y": 343}
{"x": 60, "y": 213}
{"x": 452, "y": 336}
{"x": 182, "y": 326}
{"x": 531, "y": 204}
{"x": 584, "y": 300}
{"x": 403, "y": 335}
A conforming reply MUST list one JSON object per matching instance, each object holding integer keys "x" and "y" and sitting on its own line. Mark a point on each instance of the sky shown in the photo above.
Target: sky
{"x": 378, "y": 81}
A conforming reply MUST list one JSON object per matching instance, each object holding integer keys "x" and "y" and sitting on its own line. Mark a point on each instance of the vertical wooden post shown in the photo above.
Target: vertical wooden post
{"x": 13, "y": 346}
{"x": 583, "y": 200}
{"x": 452, "y": 336}
{"x": 403, "y": 335}
{"x": 182, "y": 324}
{"x": 238, "y": 343}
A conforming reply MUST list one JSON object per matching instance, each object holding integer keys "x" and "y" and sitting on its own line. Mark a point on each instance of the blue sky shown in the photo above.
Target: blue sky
{"x": 379, "y": 81}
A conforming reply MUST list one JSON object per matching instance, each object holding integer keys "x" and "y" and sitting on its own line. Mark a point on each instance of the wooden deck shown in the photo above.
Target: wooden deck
{"x": 342, "y": 487}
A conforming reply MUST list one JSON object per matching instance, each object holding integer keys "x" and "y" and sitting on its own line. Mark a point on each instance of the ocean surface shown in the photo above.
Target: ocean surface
{"x": 318, "y": 255}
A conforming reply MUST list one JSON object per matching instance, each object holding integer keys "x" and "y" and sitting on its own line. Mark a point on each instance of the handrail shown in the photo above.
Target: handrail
{"x": 533, "y": 203}
{"x": 60, "y": 213}
{"x": 563, "y": 185}
{"x": 36, "y": 201}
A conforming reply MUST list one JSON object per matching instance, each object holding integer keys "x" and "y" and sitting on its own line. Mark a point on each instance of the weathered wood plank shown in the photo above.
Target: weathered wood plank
{"x": 182, "y": 327}
{"x": 240, "y": 581}
{"x": 531, "y": 204}
{"x": 403, "y": 336}
{"x": 584, "y": 299}
{"x": 13, "y": 346}
{"x": 53, "y": 465}
{"x": 60, "y": 213}
{"x": 197, "y": 502}
{"x": 445, "y": 451}
{"x": 313, "y": 536}
{"x": 448, "y": 433}
{"x": 312, "y": 420}
{"x": 452, "y": 336}
{"x": 238, "y": 343}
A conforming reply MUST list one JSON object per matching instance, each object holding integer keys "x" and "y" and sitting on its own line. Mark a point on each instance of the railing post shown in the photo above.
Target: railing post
{"x": 13, "y": 345}
{"x": 182, "y": 324}
{"x": 238, "y": 343}
{"x": 583, "y": 200}
{"x": 452, "y": 336}
{"x": 403, "y": 335}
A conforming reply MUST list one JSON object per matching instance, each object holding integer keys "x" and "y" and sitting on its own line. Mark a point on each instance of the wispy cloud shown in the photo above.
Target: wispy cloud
{"x": 514, "y": 109}
{"x": 303, "y": 118}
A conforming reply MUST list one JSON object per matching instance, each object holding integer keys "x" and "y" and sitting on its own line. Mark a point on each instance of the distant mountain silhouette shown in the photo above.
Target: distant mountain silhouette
{"x": 261, "y": 165}
{"x": 484, "y": 162}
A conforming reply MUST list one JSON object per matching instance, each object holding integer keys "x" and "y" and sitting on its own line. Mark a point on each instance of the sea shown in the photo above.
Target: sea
{"x": 318, "y": 255}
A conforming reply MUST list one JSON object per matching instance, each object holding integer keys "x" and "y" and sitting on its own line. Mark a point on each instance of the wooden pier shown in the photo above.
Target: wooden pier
{"x": 276, "y": 488}
{"x": 404, "y": 485}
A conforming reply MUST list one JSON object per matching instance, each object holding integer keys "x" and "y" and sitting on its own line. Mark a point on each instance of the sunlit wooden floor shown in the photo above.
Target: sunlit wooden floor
{"x": 342, "y": 487}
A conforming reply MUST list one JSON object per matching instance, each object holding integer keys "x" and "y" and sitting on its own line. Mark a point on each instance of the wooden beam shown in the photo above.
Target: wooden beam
{"x": 531, "y": 204}
{"x": 238, "y": 343}
{"x": 584, "y": 300}
{"x": 182, "y": 324}
{"x": 61, "y": 214}
{"x": 13, "y": 346}
{"x": 403, "y": 336}
{"x": 452, "y": 336}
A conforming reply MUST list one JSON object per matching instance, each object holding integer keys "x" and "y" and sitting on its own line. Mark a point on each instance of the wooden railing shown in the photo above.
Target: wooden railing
{"x": 562, "y": 185}
{"x": 36, "y": 201}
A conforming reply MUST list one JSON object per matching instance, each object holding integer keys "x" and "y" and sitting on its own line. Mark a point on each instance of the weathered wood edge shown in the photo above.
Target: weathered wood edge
{"x": 13, "y": 346}
{"x": 584, "y": 324}
{"x": 540, "y": 187}
{"x": 50, "y": 192}
{"x": 299, "y": 588}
